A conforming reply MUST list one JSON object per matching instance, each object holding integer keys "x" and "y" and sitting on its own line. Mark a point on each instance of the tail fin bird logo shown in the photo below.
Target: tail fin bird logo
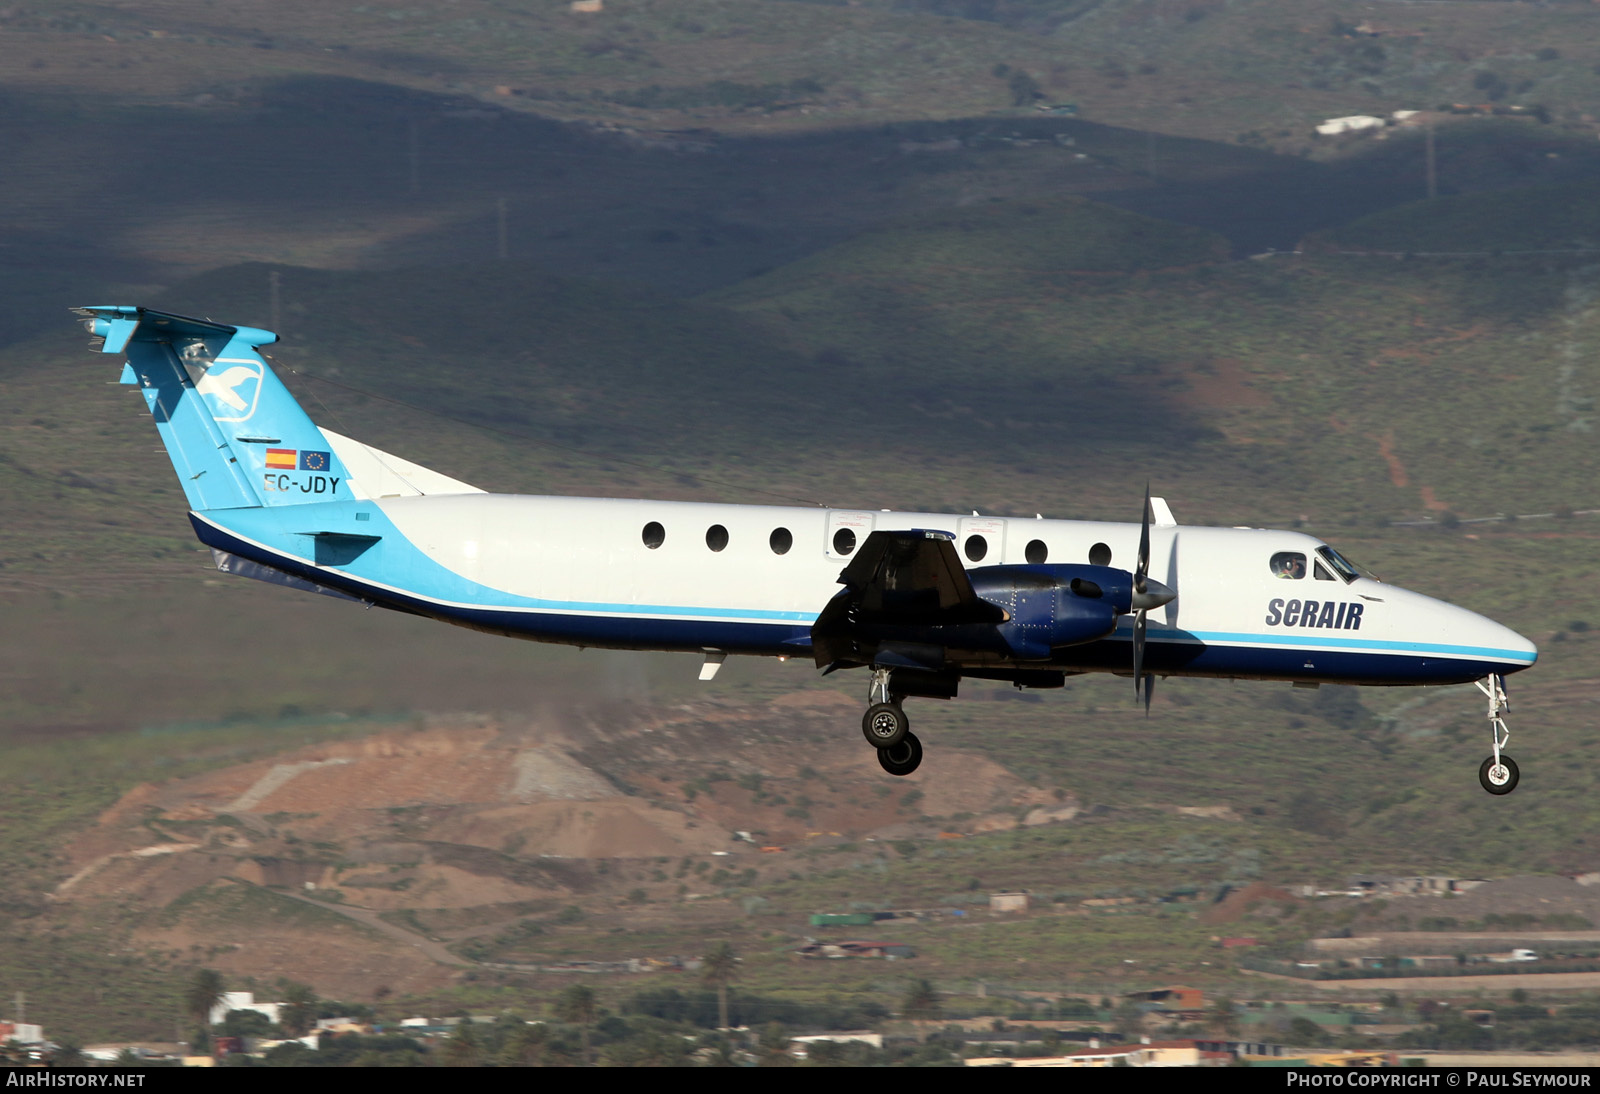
{"x": 224, "y": 388}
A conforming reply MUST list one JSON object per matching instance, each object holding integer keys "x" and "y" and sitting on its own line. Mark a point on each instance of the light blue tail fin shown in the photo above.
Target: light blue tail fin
{"x": 236, "y": 437}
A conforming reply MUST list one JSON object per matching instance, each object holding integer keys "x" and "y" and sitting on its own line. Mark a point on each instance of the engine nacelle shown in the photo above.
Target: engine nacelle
{"x": 1048, "y": 607}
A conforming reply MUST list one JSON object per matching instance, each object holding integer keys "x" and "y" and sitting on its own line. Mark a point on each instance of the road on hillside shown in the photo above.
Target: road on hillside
{"x": 426, "y": 946}
{"x": 1445, "y": 940}
{"x": 1455, "y": 985}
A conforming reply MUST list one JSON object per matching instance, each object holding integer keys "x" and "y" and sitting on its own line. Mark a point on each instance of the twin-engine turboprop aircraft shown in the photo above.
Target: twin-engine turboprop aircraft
{"x": 927, "y": 599}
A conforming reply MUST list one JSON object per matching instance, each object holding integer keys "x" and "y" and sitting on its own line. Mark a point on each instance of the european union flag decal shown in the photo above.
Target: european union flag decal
{"x": 314, "y": 461}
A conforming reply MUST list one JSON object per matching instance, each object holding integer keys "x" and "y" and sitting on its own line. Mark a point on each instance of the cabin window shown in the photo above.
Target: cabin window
{"x": 780, "y": 541}
{"x": 1289, "y": 565}
{"x": 1100, "y": 555}
{"x": 1037, "y": 552}
{"x": 716, "y": 537}
{"x": 654, "y": 535}
{"x": 844, "y": 541}
{"x": 976, "y": 548}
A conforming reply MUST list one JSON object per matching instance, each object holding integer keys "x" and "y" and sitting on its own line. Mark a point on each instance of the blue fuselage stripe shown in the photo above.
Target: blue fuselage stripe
{"x": 1310, "y": 642}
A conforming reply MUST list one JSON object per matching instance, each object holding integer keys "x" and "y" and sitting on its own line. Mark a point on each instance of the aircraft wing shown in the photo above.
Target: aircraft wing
{"x": 898, "y": 579}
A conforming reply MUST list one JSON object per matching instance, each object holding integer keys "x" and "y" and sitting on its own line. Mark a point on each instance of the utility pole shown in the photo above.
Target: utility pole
{"x": 1433, "y": 166}
{"x": 22, "y": 1007}
{"x": 273, "y": 277}
{"x": 503, "y": 251}
{"x": 414, "y": 155}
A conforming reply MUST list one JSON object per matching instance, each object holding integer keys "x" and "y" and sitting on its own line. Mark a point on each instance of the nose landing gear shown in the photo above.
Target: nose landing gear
{"x": 1498, "y": 773}
{"x": 887, "y": 728}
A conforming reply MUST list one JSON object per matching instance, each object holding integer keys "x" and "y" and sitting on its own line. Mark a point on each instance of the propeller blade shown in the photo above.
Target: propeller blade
{"x": 1142, "y": 601}
{"x": 1149, "y": 692}
{"x": 1143, "y": 569}
{"x": 1138, "y": 654}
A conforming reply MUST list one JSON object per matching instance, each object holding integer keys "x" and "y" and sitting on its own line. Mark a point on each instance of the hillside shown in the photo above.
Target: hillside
{"x": 451, "y": 860}
{"x": 1549, "y": 218}
{"x": 1261, "y": 72}
{"x": 1374, "y": 387}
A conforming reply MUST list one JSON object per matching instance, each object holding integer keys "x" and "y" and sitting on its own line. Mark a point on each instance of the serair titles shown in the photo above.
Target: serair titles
{"x": 1321, "y": 614}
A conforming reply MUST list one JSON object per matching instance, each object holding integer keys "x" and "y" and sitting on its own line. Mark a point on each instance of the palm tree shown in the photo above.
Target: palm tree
{"x": 1222, "y": 1017}
{"x": 921, "y": 1001}
{"x": 299, "y": 1011}
{"x": 717, "y": 968}
{"x": 205, "y": 994}
{"x": 577, "y": 1006}
{"x": 525, "y": 1046}
{"x": 68, "y": 1053}
{"x": 463, "y": 1049}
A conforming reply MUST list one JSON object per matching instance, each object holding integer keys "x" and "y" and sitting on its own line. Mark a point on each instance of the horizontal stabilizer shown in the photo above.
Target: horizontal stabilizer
{"x": 118, "y": 324}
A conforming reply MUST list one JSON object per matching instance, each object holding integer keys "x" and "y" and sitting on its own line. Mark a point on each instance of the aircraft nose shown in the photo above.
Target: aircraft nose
{"x": 1501, "y": 643}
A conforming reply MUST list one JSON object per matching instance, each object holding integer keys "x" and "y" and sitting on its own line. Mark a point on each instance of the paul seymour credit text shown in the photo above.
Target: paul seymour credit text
{"x": 1463, "y": 1078}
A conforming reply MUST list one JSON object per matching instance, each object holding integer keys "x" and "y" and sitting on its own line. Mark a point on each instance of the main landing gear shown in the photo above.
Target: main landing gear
{"x": 887, "y": 728}
{"x": 1498, "y": 773}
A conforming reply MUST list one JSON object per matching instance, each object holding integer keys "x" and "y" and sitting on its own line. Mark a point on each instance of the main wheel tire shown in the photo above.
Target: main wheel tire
{"x": 902, "y": 758}
{"x": 884, "y": 725}
{"x": 1501, "y": 779}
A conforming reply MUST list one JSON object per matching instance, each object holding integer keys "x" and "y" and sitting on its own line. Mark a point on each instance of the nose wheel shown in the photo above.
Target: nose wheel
{"x": 1499, "y": 776}
{"x": 1498, "y": 773}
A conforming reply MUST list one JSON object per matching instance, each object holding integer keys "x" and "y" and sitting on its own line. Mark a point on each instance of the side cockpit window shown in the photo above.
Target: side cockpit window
{"x": 1341, "y": 565}
{"x": 1289, "y": 565}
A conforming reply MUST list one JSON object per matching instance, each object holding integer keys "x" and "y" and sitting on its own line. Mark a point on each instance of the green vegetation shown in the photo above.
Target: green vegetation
{"x": 1551, "y": 218}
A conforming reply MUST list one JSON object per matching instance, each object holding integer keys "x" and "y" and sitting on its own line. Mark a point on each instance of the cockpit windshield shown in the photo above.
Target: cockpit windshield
{"x": 1341, "y": 565}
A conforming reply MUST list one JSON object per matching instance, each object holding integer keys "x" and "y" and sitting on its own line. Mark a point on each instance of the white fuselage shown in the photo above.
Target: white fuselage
{"x": 583, "y": 571}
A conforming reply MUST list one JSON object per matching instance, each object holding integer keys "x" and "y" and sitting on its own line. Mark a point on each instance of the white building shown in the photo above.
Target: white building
{"x": 24, "y": 1033}
{"x": 1355, "y": 122}
{"x": 243, "y": 1000}
{"x": 801, "y": 1046}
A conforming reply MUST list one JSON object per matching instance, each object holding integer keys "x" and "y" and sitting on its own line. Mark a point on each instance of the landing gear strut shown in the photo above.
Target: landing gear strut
{"x": 887, "y": 728}
{"x": 1498, "y": 773}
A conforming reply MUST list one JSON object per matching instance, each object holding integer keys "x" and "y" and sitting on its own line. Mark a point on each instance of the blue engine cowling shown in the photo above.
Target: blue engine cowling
{"x": 1052, "y": 606}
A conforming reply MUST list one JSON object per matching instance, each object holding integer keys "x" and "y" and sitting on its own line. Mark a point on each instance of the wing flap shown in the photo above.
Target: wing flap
{"x": 898, "y": 579}
{"x": 914, "y": 577}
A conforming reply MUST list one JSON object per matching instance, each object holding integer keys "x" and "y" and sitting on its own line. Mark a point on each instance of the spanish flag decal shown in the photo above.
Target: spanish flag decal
{"x": 281, "y": 458}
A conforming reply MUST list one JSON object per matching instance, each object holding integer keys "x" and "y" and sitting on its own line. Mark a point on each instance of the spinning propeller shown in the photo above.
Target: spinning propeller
{"x": 1147, "y": 594}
